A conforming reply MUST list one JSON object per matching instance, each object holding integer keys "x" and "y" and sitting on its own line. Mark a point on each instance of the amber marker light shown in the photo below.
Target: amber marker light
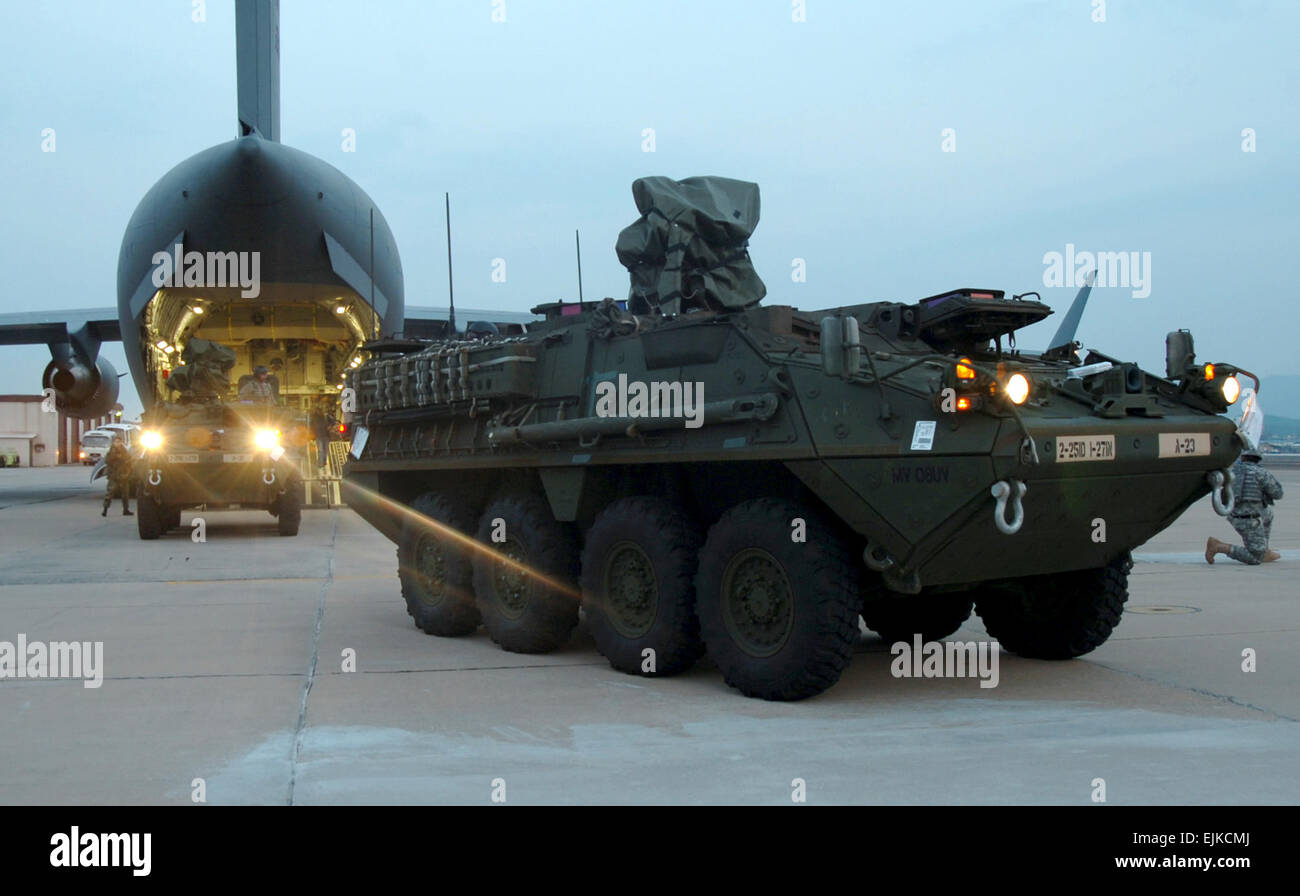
{"x": 963, "y": 404}
{"x": 1209, "y": 372}
{"x": 965, "y": 370}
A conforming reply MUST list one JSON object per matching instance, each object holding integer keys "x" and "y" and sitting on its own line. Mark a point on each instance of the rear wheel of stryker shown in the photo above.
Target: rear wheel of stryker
{"x": 148, "y": 518}
{"x": 900, "y": 617}
{"x": 1058, "y": 616}
{"x": 290, "y": 509}
{"x": 522, "y": 581}
{"x": 780, "y": 617}
{"x": 434, "y": 568}
{"x": 638, "y": 586}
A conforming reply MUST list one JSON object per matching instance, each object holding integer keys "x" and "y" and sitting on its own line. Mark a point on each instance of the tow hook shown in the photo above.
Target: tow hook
{"x": 268, "y": 477}
{"x": 155, "y": 477}
{"x": 1221, "y": 494}
{"x": 1013, "y": 490}
{"x": 876, "y": 557}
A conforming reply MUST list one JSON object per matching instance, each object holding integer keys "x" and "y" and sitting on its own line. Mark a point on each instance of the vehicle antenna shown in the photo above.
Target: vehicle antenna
{"x": 451, "y": 294}
{"x": 577, "y": 241}
{"x": 374, "y": 312}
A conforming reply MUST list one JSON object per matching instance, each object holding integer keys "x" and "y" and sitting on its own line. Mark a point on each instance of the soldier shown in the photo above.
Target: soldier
{"x": 1252, "y": 514}
{"x": 118, "y": 462}
{"x": 321, "y": 423}
{"x": 481, "y": 329}
{"x": 257, "y": 390}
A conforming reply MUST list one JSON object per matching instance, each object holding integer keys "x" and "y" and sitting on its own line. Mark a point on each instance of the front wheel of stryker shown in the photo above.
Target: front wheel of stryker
{"x": 148, "y": 518}
{"x": 433, "y": 565}
{"x": 638, "y": 586}
{"x": 290, "y": 511}
{"x": 1057, "y": 616}
{"x": 779, "y": 616}
{"x": 523, "y": 575}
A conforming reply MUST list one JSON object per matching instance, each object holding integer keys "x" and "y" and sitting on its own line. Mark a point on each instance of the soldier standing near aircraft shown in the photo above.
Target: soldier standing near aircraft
{"x": 321, "y": 424}
{"x": 257, "y": 390}
{"x": 118, "y": 462}
{"x": 1252, "y": 514}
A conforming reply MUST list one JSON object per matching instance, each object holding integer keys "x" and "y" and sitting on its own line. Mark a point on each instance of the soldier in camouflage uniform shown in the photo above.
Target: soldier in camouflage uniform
{"x": 1252, "y": 513}
{"x": 118, "y": 462}
{"x": 258, "y": 390}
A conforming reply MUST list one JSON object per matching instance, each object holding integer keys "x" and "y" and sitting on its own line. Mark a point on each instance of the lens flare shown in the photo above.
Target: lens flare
{"x": 1017, "y": 388}
{"x": 1231, "y": 390}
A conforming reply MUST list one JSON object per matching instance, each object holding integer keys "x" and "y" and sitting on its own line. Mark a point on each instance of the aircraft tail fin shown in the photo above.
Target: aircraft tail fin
{"x": 1070, "y": 325}
{"x": 257, "y": 58}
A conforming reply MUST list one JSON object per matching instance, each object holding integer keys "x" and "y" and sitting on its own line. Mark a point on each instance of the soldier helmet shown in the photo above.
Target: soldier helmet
{"x": 481, "y": 329}
{"x": 259, "y": 370}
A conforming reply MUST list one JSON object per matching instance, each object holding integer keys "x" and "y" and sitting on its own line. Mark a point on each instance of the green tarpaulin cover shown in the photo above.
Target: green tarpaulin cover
{"x": 689, "y": 249}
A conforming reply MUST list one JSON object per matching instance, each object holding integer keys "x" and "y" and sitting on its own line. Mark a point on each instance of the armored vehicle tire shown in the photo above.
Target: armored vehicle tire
{"x": 435, "y": 571}
{"x": 148, "y": 518}
{"x": 1058, "y": 616}
{"x": 902, "y": 617}
{"x": 290, "y": 510}
{"x": 638, "y": 586}
{"x": 780, "y": 617}
{"x": 521, "y": 611}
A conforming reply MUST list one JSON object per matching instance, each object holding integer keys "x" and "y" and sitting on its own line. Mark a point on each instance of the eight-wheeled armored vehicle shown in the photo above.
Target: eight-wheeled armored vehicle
{"x": 699, "y": 471}
{"x": 204, "y": 450}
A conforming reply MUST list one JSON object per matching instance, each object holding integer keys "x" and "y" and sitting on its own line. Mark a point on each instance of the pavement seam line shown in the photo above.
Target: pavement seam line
{"x": 1227, "y": 698}
{"x": 311, "y": 669}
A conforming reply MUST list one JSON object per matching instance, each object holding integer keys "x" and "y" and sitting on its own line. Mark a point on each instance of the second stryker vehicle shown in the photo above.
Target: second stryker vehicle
{"x": 699, "y": 471}
{"x": 206, "y": 450}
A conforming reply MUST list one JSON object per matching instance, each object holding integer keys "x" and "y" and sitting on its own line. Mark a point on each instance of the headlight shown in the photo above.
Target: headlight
{"x": 1231, "y": 389}
{"x": 1017, "y": 388}
{"x": 151, "y": 439}
{"x": 266, "y": 439}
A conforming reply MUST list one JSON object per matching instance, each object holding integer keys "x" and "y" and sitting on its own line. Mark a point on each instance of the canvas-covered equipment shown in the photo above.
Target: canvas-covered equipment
{"x": 689, "y": 250}
{"x": 205, "y": 375}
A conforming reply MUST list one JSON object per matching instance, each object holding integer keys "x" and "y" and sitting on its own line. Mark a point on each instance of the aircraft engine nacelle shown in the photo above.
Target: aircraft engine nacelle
{"x": 81, "y": 391}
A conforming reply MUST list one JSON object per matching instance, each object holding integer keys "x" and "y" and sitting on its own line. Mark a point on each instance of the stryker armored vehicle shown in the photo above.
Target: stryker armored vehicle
{"x": 205, "y": 450}
{"x": 699, "y": 471}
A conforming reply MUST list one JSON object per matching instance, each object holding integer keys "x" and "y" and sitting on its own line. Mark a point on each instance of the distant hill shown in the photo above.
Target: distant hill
{"x": 1276, "y": 427}
{"x": 1279, "y": 396}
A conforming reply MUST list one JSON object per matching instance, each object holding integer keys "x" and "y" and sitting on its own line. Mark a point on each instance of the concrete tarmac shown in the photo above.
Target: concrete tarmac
{"x": 223, "y": 673}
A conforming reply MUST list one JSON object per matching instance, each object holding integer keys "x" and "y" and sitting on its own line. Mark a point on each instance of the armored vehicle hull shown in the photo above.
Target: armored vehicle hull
{"x": 204, "y": 451}
{"x": 218, "y": 456}
{"x": 751, "y": 480}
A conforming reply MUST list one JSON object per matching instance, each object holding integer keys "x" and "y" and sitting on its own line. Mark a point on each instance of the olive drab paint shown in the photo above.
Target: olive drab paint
{"x": 921, "y": 471}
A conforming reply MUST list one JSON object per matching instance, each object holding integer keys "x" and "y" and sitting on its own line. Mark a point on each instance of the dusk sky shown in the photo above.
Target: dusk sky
{"x": 1122, "y": 135}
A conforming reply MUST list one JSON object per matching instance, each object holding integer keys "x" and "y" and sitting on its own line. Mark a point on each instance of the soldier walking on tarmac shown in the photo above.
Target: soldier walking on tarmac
{"x": 118, "y": 461}
{"x": 1252, "y": 514}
